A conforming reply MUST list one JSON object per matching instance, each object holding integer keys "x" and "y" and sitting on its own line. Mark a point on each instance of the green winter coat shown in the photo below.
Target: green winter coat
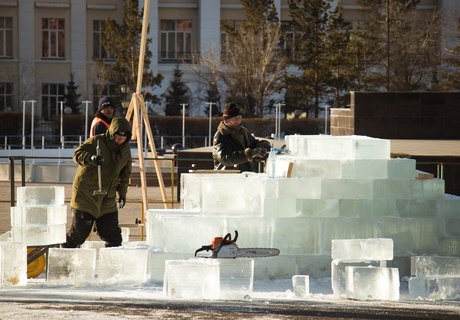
{"x": 116, "y": 170}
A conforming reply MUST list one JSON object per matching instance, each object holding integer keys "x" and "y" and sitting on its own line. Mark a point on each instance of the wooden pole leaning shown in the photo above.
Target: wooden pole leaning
{"x": 140, "y": 155}
{"x": 136, "y": 104}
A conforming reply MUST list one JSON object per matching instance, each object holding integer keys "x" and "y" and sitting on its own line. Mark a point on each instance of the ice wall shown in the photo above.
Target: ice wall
{"x": 344, "y": 187}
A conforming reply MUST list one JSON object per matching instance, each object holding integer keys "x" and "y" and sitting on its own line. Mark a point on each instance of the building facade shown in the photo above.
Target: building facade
{"x": 44, "y": 42}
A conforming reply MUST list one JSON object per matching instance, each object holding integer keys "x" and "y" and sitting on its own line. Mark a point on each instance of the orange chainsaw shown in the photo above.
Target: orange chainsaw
{"x": 226, "y": 248}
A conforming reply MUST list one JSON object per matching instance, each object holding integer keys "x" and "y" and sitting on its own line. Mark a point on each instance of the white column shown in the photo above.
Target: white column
{"x": 26, "y": 32}
{"x": 78, "y": 44}
{"x": 153, "y": 33}
{"x": 209, "y": 27}
{"x": 278, "y": 8}
{"x": 449, "y": 10}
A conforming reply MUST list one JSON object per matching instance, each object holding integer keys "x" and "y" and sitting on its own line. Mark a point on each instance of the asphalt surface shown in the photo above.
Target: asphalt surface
{"x": 56, "y": 308}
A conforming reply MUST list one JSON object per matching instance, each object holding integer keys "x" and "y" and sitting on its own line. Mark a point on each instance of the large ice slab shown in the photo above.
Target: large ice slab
{"x": 191, "y": 279}
{"x": 435, "y": 265}
{"x": 40, "y": 196}
{"x": 298, "y": 235}
{"x": 385, "y": 189}
{"x": 71, "y": 266}
{"x": 38, "y": 215}
{"x": 435, "y": 288}
{"x": 156, "y": 263}
{"x": 372, "y": 283}
{"x": 122, "y": 266}
{"x": 13, "y": 263}
{"x": 236, "y": 277}
{"x": 350, "y": 169}
{"x": 209, "y": 278}
{"x": 215, "y": 194}
{"x": 338, "y": 275}
{"x": 183, "y": 233}
{"x": 338, "y": 147}
{"x": 39, "y": 234}
{"x": 362, "y": 249}
{"x": 301, "y": 188}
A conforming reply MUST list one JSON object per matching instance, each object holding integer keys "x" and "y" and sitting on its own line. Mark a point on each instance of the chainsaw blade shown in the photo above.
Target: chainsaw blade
{"x": 257, "y": 252}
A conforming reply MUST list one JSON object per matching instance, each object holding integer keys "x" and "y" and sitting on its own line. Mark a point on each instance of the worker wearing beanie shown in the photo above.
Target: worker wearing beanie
{"x": 103, "y": 116}
{"x": 234, "y": 147}
{"x": 101, "y": 177}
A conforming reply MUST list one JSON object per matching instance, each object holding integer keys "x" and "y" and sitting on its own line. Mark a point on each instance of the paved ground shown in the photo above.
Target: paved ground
{"x": 56, "y": 307}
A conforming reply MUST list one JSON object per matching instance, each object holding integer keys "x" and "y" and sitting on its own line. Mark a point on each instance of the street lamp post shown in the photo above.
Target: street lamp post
{"x": 278, "y": 120}
{"x": 23, "y": 124}
{"x": 33, "y": 102}
{"x": 86, "y": 102}
{"x": 183, "y": 124}
{"x": 325, "y": 119}
{"x": 61, "y": 103}
{"x": 210, "y": 121}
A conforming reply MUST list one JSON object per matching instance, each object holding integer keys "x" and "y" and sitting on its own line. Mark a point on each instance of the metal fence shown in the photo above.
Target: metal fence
{"x": 69, "y": 141}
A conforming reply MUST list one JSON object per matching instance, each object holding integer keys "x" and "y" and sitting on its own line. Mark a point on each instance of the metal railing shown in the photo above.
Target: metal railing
{"x": 12, "y": 163}
{"x": 164, "y": 142}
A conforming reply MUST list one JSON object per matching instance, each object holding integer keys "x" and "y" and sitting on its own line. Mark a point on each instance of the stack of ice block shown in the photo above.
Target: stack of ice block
{"x": 341, "y": 188}
{"x": 357, "y": 270}
{"x": 435, "y": 278}
{"x": 40, "y": 216}
{"x": 209, "y": 278}
{"x": 13, "y": 263}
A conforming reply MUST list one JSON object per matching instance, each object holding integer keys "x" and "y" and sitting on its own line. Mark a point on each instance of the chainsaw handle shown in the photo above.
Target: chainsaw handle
{"x": 203, "y": 248}
{"x": 228, "y": 237}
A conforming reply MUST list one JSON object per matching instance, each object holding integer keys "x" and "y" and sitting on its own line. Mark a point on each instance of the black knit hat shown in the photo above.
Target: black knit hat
{"x": 231, "y": 110}
{"x": 103, "y": 103}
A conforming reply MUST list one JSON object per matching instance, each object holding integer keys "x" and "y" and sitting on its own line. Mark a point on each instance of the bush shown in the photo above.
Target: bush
{"x": 261, "y": 127}
{"x": 11, "y": 123}
{"x": 74, "y": 124}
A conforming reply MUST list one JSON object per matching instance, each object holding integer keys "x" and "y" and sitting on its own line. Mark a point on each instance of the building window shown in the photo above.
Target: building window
{"x": 52, "y": 93}
{"x": 6, "y": 96}
{"x": 289, "y": 41}
{"x": 227, "y": 27}
{"x": 6, "y": 37}
{"x": 175, "y": 40}
{"x": 99, "y": 51}
{"x": 53, "y": 38}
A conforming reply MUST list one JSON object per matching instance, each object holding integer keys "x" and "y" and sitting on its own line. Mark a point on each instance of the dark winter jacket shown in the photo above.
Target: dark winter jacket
{"x": 228, "y": 151}
{"x": 100, "y": 124}
{"x": 116, "y": 170}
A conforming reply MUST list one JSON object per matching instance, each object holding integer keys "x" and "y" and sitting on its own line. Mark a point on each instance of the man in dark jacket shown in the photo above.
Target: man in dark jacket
{"x": 89, "y": 207}
{"x": 103, "y": 116}
{"x": 234, "y": 146}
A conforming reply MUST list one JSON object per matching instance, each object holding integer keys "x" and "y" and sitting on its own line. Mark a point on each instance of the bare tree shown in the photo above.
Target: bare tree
{"x": 253, "y": 68}
{"x": 401, "y": 44}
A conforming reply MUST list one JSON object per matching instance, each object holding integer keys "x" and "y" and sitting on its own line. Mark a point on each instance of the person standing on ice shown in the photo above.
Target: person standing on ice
{"x": 103, "y": 116}
{"x": 93, "y": 203}
{"x": 234, "y": 147}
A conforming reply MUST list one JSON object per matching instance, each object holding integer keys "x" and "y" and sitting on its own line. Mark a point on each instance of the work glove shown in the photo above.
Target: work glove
{"x": 256, "y": 154}
{"x": 97, "y": 160}
{"x": 264, "y": 144}
{"x": 121, "y": 202}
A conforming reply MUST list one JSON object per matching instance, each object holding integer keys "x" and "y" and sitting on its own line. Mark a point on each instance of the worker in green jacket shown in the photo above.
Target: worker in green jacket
{"x": 92, "y": 203}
